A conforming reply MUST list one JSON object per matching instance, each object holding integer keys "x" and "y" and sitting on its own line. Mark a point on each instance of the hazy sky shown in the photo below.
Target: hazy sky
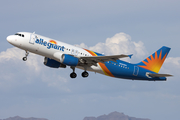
{"x": 30, "y": 89}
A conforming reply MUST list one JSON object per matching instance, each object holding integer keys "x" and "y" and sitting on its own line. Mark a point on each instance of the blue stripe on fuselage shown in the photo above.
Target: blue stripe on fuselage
{"x": 122, "y": 69}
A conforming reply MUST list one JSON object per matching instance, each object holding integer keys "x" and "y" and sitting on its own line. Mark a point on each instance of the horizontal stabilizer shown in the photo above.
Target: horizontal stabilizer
{"x": 159, "y": 75}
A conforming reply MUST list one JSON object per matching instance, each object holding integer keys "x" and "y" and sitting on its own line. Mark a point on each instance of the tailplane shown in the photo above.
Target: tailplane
{"x": 159, "y": 75}
{"x": 155, "y": 61}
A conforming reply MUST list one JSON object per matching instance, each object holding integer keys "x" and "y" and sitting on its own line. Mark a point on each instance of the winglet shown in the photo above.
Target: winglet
{"x": 130, "y": 55}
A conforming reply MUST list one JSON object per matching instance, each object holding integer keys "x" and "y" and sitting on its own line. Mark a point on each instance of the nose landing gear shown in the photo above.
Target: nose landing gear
{"x": 24, "y": 58}
{"x": 26, "y": 54}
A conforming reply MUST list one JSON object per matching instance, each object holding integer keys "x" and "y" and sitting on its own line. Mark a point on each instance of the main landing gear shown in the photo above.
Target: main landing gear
{"x": 26, "y": 54}
{"x": 85, "y": 74}
{"x": 74, "y": 75}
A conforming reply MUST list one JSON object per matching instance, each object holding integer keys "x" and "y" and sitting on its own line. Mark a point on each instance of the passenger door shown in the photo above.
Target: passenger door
{"x": 136, "y": 70}
{"x": 32, "y": 38}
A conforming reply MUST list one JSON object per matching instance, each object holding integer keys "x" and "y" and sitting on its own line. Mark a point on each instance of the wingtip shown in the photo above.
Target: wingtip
{"x": 130, "y": 55}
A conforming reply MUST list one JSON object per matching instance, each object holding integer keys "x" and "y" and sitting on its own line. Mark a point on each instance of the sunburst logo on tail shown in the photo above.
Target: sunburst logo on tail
{"x": 154, "y": 63}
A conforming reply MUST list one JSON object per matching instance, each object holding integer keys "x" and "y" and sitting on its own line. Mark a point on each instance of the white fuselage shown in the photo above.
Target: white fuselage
{"x": 50, "y": 48}
{"x": 59, "y": 54}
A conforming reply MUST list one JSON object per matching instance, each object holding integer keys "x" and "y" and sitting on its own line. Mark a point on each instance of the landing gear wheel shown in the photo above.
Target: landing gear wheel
{"x": 24, "y": 58}
{"x": 73, "y": 75}
{"x": 26, "y": 54}
{"x": 85, "y": 74}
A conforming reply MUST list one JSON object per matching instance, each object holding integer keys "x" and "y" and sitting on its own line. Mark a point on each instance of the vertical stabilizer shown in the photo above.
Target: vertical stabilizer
{"x": 155, "y": 61}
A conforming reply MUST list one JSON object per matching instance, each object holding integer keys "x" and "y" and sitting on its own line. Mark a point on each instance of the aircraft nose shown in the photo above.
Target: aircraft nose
{"x": 9, "y": 39}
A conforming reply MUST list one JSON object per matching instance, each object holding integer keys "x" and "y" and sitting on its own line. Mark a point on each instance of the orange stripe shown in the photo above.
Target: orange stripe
{"x": 105, "y": 70}
{"x": 102, "y": 65}
{"x": 91, "y": 52}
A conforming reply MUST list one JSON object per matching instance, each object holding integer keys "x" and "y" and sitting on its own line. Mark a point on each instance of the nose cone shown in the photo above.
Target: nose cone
{"x": 9, "y": 39}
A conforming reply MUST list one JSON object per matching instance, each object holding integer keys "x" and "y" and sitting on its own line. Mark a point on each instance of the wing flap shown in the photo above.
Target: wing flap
{"x": 104, "y": 58}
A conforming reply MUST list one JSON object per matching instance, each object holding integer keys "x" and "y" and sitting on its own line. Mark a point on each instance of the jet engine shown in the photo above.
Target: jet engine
{"x": 69, "y": 60}
{"x": 53, "y": 63}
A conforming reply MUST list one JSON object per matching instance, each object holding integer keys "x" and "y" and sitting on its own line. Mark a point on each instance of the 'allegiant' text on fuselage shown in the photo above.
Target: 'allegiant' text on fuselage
{"x": 49, "y": 45}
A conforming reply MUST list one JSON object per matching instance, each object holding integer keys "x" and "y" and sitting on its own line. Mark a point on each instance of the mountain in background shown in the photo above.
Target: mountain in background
{"x": 114, "y": 116}
{"x": 20, "y": 118}
{"x": 111, "y": 116}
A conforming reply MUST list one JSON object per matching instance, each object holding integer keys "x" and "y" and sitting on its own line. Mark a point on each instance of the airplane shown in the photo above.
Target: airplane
{"x": 59, "y": 55}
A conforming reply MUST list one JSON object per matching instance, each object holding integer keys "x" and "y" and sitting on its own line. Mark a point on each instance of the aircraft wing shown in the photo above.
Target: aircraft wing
{"x": 96, "y": 59}
{"x": 159, "y": 75}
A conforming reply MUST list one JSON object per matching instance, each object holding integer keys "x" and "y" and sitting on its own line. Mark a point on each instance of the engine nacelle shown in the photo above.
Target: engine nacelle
{"x": 69, "y": 60}
{"x": 53, "y": 63}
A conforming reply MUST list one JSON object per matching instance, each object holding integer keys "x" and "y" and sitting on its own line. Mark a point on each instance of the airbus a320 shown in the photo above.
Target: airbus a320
{"x": 60, "y": 55}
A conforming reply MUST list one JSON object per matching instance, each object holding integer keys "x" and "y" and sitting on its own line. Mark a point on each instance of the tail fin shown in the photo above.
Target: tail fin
{"x": 155, "y": 61}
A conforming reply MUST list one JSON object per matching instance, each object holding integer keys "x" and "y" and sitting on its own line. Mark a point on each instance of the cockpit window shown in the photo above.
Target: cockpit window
{"x": 22, "y": 35}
